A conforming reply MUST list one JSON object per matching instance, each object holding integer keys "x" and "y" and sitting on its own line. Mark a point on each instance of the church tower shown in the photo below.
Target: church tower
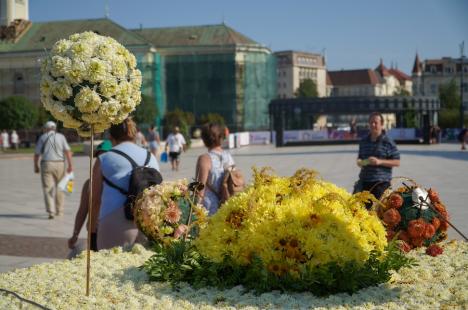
{"x": 13, "y": 9}
{"x": 416, "y": 76}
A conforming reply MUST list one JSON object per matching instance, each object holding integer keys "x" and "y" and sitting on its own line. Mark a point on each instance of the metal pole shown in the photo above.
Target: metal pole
{"x": 90, "y": 211}
{"x": 462, "y": 107}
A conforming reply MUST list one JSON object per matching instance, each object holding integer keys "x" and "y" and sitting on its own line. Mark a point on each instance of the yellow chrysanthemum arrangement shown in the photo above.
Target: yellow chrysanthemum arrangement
{"x": 291, "y": 224}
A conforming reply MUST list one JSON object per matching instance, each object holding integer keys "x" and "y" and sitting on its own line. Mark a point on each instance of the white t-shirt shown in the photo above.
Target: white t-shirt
{"x": 175, "y": 142}
{"x": 5, "y": 141}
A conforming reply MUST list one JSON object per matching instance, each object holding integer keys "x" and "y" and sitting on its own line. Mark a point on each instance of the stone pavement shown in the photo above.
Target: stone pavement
{"x": 27, "y": 237}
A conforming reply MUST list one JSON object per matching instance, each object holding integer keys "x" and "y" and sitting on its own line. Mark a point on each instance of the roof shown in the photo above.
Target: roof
{"x": 417, "y": 65}
{"x": 217, "y": 35}
{"x": 42, "y": 36}
{"x": 354, "y": 77}
{"x": 400, "y": 75}
{"x": 381, "y": 69}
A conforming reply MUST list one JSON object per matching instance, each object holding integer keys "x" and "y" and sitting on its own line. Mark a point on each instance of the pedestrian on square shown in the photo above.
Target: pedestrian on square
{"x": 378, "y": 154}
{"x": 153, "y": 140}
{"x": 53, "y": 150}
{"x": 112, "y": 171}
{"x": 14, "y": 140}
{"x": 175, "y": 143}
{"x": 82, "y": 212}
{"x": 140, "y": 139}
{"x": 5, "y": 140}
{"x": 463, "y": 138}
{"x": 211, "y": 166}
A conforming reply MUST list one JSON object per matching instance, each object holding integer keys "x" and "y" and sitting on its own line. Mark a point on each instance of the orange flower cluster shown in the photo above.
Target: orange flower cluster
{"x": 413, "y": 232}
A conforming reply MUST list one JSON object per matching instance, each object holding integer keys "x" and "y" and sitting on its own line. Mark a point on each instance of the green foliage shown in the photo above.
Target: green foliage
{"x": 180, "y": 261}
{"x": 43, "y": 116}
{"x": 307, "y": 89}
{"x": 401, "y": 92}
{"x": 146, "y": 112}
{"x": 410, "y": 119}
{"x": 449, "y": 118}
{"x": 173, "y": 263}
{"x": 212, "y": 118}
{"x": 184, "y": 120}
{"x": 17, "y": 113}
{"x": 449, "y": 95}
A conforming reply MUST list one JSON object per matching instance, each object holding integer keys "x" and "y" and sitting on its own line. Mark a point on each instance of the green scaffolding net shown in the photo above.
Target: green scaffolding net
{"x": 238, "y": 87}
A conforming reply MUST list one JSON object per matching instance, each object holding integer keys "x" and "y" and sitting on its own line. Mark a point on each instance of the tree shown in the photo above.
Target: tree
{"x": 146, "y": 112}
{"x": 401, "y": 92}
{"x": 212, "y": 118}
{"x": 17, "y": 113}
{"x": 307, "y": 89}
{"x": 449, "y": 95}
{"x": 182, "y": 119}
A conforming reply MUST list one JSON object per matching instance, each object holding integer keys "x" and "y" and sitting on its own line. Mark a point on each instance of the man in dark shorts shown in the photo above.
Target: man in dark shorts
{"x": 378, "y": 154}
{"x": 175, "y": 143}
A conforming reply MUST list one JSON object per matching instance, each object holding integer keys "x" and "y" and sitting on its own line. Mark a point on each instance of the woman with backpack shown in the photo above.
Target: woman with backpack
{"x": 211, "y": 166}
{"x": 112, "y": 174}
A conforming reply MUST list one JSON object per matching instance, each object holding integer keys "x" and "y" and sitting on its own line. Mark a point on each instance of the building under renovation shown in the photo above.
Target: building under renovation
{"x": 201, "y": 69}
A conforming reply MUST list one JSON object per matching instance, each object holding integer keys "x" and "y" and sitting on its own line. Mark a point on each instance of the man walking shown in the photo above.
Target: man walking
{"x": 53, "y": 149}
{"x": 175, "y": 143}
{"x": 378, "y": 154}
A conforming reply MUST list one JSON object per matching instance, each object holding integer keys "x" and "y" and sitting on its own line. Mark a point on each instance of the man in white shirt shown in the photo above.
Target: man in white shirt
{"x": 175, "y": 143}
{"x": 53, "y": 149}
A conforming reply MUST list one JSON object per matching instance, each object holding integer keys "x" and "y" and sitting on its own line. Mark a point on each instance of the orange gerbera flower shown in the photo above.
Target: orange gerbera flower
{"x": 433, "y": 195}
{"x": 391, "y": 217}
{"x": 395, "y": 200}
{"x": 172, "y": 213}
{"x": 429, "y": 231}
{"x": 436, "y": 223}
{"x": 416, "y": 228}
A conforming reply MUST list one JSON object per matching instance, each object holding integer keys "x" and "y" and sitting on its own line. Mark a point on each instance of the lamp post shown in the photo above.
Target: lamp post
{"x": 462, "y": 107}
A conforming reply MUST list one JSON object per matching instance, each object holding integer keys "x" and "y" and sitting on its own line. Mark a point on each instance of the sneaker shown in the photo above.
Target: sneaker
{"x": 59, "y": 214}
{"x": 51, "y": 217}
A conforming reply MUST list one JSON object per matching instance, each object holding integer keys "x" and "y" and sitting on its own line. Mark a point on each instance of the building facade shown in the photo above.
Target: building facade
{"x": 202, "y": 69}
{"x": 430, "y": 74}
{"x": 293, "y": 67}
{"x": 215, "y": 69}
{"x": 367, "y": 82}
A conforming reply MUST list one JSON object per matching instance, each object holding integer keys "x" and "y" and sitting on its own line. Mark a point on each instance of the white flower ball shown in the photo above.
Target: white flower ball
{"x": 90, "y": 80}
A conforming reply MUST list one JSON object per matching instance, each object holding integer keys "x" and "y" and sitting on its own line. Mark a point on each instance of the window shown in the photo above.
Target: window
{"x": 18, "y": 83}
{"x": 433, "y": 88}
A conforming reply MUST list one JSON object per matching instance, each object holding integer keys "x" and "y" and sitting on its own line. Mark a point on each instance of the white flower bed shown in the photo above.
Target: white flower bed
{"x": 438, "y": 282}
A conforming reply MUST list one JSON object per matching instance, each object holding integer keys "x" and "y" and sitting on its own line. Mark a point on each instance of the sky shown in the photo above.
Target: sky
{"x": 353, "y": 34}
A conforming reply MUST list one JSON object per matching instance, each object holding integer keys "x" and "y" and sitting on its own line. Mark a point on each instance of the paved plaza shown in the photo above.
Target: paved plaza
{"x": 27, "y": 237}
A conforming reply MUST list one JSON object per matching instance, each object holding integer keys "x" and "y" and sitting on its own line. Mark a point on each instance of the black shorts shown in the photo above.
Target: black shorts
{"x": 174, "y": 155}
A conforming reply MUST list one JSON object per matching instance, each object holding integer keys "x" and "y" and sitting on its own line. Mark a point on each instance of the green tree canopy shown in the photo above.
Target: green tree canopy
{"x": 184, "y": 120}
{"x": 307, "y": 89}
{"x": 212, "y": 118}
{"x": 146, "y": 112}
{"x": 401, "y": 92}
{"x": 17, "y": 113}
{"x": 449, "y": 95}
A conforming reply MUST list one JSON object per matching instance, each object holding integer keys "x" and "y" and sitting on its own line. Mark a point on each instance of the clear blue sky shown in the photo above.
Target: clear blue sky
{"x": 354, "y": 33}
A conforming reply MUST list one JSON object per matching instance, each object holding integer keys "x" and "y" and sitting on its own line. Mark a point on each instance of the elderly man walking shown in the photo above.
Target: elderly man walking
{"x": 53, "y": 149}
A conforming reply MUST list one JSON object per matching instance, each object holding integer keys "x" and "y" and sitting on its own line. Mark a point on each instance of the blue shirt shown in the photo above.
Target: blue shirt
{"x": 117, "y": 169}
{"x": 382, "y": 148}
